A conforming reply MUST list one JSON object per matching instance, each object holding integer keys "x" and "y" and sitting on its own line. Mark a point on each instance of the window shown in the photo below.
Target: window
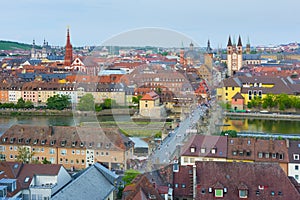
{"x": 77, "y": 152}
{"x": 52, "y": 160}
{"x": 243, "y": 193}
{"x": 260, "y": 154}
{"x": 73, "y": 151}
{"x": 202, "y": 150}
{"x": 185, "y": 159}
{"x": 234, "y": 153}
{"x": 249, "y": 142}
{"x": 297, "y": 177}
{"x": 192, "y": 160}
{"x": 176, "y": 185}
{"x": 218, "y": 192}
{"x": 274, "y": 155}
{"x": 248, "y": 153}
{"x": 192, "y": 149}
{"x": 213, "y": 151}
{"x": 52, "y": 151}
{"x": 226, "y": 94}
{"x": 183, "y": 185}
{"x": 232, "y": 88}
{"x": 63, "y": 152}
{"x": 296, "y": 167}
{"x": 267, "y": 155}
{"x": 241, "y": 153}
{"x": 231, "y": 141}
{"x": 296, "y": 156}
{"x": 281, "y": 156}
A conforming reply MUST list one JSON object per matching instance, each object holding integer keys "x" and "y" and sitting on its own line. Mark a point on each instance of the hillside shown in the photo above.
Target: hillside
{"x": 9, "y": 45}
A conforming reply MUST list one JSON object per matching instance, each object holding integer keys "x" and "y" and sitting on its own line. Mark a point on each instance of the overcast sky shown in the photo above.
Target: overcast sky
{"x": 93, "y": 22}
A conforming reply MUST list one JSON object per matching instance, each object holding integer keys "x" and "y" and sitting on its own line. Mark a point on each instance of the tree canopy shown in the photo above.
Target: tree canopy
{"x": 86, "y": 103}
{"x": 58, "y": 102}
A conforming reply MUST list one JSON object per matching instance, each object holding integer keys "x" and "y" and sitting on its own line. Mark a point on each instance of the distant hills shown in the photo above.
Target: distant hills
{"x": 9, "y": 45}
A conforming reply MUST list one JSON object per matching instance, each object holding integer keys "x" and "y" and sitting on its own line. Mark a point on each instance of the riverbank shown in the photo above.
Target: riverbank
{"x": 34, "y": 112}
{"x": 264, "y": 115}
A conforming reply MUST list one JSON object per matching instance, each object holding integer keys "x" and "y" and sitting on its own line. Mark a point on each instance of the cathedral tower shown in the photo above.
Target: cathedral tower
{"x": 234, "y": 56}
{"x": 68, "y": 51}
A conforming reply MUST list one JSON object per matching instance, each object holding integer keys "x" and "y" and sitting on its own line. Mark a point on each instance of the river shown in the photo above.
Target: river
{"x": 288, "y": 126}
{"x": 231, "y": 123}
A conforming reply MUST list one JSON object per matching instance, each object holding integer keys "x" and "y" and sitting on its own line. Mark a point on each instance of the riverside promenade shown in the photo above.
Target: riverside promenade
{"x": 264, "y": 115}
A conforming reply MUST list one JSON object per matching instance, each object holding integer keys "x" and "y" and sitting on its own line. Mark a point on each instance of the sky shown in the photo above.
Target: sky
{"x": 95, "y": 22}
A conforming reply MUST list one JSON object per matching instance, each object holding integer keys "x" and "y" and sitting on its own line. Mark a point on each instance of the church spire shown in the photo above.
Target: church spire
{"x": 240, "y": 41}
{"x": 229, "y": 41}
{"x": 208, "y": 48}
{"x": 69, "y": 50}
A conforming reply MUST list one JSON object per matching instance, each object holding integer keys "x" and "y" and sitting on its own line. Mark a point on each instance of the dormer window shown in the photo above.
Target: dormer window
{"x": 63, "y": 143}
{"x": 243, "y": 194}
{"x": 43, "y": 142}
{"x": 20, "y": 140}
{"x": 213, "y": 151}
{"x": 4, "y": 139}
{"x": 296, "y": 156}
{"x": 35, "y": 141}
{"x": 193, "y": 149}
{"x": 81, "y": 144}
{"x": 74, "y": 144}
{"x": 52, "y": 142}
{"x": 12, "y": 140}
{"x": 27, "y": 141}
{"x": 219, "y": 193}
{"x": 202, "y": 150}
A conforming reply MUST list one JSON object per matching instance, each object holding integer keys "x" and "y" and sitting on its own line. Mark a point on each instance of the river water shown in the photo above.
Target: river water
{"x": 231, "y": 123}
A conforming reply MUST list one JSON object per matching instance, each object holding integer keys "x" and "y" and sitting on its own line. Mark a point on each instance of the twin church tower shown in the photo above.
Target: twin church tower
{"x": 235, "y": 55}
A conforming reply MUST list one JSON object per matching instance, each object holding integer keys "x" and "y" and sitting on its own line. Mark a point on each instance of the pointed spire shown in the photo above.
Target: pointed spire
{"x": 248, "y": 40}
{"x": 44, "y": 42}
{"x": 69, "y": 50}
{"x": 240, "y": 41}
{"x": 208, "y": 48}
{"x": 229, "y": 42}
{"x": 33, "y": 42}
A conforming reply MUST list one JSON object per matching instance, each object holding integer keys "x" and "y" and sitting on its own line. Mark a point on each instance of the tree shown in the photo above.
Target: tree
{"x": 136, "y": 99}
{"x": 58, "y": 102}
{"x": 269, "y": 101}
{"x": 86, "y": 103}
{"x": 24, "y": 155}
{"x": 109, "y": 103}
{"x": 129, "y": 175}
{"x": 45, "y": 161}
{"x": 20, "y": 103}
{"x": 29, "y": 104}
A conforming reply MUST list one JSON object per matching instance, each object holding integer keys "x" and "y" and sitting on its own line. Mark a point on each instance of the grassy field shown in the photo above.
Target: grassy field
{"x": 140, "y": 129}
{"x": 9, "y": 45}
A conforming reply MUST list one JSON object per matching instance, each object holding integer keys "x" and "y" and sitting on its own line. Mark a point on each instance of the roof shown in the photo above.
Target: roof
{"x": 138, "y": 142}
{"x": 65, "y": 136}
{"x": 20, "y": 171}
{"x": 94, "y": 183}
{"x": 207, "y": 142}
{"x": 294, "y": 148}
{"x": 151, "y": 96}
{"x": 260, "y": 179}
{"x": 238, "y": 96}
{"x": 140, "y": 189}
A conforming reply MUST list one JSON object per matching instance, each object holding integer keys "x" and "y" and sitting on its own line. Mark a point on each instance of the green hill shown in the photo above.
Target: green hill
{"x": 9, "y": 45}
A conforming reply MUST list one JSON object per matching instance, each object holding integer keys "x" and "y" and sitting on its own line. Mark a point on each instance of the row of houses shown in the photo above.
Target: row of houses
{"x": 74, "y": 147}
{"x": 214, "y": 180}
{"x": 286, "y": 153}
{"x": 19, "y": 181}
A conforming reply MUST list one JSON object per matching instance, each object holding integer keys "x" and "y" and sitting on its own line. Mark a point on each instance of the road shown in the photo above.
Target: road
{"x": 169, "y": 149}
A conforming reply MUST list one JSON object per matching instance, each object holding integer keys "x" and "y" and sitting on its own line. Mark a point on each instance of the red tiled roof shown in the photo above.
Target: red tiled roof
{"x": 151, "y": 96}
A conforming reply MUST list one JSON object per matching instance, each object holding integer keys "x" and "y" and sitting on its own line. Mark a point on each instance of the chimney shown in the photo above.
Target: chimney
{"x": 287, "y": 143}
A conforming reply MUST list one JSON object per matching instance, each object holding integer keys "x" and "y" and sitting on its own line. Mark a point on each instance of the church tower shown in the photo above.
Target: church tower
{"x": 239, "y": 54}
{"x": 68, "y": 51}
{"x": 248, "y": 50}
{"x": 229, "y": 55}
{"x": 234, "y": 56}
{"x": 33, "y": 51}
{"x": 44, "y": 49}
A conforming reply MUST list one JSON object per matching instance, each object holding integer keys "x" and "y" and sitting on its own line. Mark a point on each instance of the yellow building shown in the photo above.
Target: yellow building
{"x": 73, "y": 147}
{"x": 251, "y": 87}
